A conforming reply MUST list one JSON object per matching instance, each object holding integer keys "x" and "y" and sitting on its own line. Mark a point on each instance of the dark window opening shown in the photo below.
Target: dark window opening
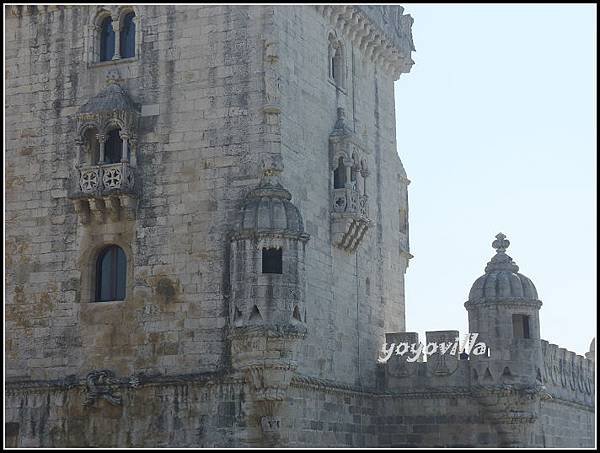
{"x": 339, "y": 175}
{"x": 107, "y": 40}
{"x": 113, "y": 149}
{"x": 272, "y": 261}
{"x": 333, "y": 68}
{"x": 521, "y": 326}
{"x": 337, "y": 69}
{"x": 111, "y": 274}
{"x": 127, "y": 38}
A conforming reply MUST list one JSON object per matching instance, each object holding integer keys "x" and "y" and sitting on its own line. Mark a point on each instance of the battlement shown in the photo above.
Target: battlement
{"x": 567, "y": 375}
{"x": 406, "y": 369}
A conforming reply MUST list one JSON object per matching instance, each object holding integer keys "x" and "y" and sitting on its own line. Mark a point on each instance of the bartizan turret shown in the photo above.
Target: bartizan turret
{"x": 503, "y": 309}
{"x": 267, "y": 305}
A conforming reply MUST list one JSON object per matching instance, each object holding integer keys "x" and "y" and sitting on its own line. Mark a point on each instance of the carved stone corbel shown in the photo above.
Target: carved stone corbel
{"x": 114, "y": 208}
{"x": 98, "y": 209}
{"x": 82, "y": 208}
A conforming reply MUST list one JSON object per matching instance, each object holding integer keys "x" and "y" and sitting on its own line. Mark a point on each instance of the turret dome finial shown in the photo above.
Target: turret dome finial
{"x": 501, "y": 243}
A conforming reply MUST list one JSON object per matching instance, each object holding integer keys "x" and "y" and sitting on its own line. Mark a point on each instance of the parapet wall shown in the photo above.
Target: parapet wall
{"x": 440, "y": 370}
{"x": 567, "y": 375}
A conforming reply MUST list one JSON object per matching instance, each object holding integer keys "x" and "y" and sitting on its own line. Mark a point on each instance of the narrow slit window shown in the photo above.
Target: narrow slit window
{"x": 272, "y": 261}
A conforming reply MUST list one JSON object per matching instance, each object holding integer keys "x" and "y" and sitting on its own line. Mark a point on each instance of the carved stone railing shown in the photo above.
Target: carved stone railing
{"x": 105, "y": 191}
{"x": 349, "y": 200}
{"x": 350, "y": 217}
{"x": 107, "y": 178}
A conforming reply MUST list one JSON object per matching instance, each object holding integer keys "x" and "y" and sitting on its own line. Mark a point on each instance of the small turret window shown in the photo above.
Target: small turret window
{"x": 521, "y": 326}
{"x": 272, "y": 261}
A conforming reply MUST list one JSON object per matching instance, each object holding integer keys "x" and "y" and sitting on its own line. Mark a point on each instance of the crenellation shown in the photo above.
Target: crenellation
{"x": 254, "y": 278}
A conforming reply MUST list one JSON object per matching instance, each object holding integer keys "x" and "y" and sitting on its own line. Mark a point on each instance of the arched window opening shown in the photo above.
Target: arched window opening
{"x": 92, "y": 147}
{"x": 336, "y": 62}
{"x": 113, "y": 150}
{"x": 127, "y": 36}
{"x": 339, "y": 175}
{"x": 107, "y": 40}
{"x": 111, "y": 274}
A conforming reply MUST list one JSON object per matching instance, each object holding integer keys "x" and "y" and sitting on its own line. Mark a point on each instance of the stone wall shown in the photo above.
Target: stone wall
{"x": 565, "y": 425}
{"x": 199, "y": 412}
{"x": 352, "y": 299}
{"x": 196, "y": 83}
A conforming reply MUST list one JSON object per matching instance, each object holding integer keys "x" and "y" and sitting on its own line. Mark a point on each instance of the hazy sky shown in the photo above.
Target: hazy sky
{"x": 496, "y": 127}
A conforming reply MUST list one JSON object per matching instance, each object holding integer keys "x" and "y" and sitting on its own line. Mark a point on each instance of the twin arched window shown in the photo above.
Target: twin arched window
{"x": 111, "y": 274}
{"x": 126, "y": 41}
{"x": 108, "y": 152}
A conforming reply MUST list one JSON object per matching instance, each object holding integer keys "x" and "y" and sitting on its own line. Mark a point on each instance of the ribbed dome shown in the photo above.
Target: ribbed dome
{"x": 502, "y": 279}
{"x": 268, "y": 209}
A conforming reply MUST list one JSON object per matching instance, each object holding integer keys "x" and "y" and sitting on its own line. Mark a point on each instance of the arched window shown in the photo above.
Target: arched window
{"x": 107, "y": 40}
{"x": 339, "y": 175}
{"x": 113, "y": 149}
{"x": 111, "y": 274}
{"x": 336, "y": 62}
{"x": 92, "y": 147}
{"x": 127, "y": 36}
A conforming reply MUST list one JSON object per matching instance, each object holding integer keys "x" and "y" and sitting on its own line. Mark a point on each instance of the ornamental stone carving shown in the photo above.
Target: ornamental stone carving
{"x": 104, "y": 181}
{"x": 349, "y": 199}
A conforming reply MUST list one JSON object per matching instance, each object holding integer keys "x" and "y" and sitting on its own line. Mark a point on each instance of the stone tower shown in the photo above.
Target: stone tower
{"x": 503, "y": 308}
{"x": 267, "y": 306}
{"x": 207, "y": 237}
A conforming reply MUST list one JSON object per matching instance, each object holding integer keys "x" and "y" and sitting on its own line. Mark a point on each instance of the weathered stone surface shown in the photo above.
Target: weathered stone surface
{"x": 206, "y": 350}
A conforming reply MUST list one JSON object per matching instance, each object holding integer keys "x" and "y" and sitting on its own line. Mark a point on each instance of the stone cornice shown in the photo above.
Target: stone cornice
{"x": 390, "y": 48}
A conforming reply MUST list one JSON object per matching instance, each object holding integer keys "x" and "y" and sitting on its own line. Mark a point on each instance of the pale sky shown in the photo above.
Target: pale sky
{"x": 496, "y": 127}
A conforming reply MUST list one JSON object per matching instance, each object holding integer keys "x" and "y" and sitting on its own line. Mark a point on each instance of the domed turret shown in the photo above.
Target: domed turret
{"x": 503, "y": 309}
{"x": 267, "y": 258}
{"x": 268, "y": 210}
{"x": 502, "y": 280}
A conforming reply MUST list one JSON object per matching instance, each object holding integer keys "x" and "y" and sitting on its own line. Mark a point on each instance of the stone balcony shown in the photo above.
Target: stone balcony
{"x": 105, "y": 191}
{"x": 350, "y": 217}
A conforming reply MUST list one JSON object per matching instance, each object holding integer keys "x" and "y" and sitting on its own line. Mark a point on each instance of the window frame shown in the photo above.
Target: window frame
{"x": 119, "y": 268}
{"x": 102, "y": 45}
{"x": 268, "y": 263}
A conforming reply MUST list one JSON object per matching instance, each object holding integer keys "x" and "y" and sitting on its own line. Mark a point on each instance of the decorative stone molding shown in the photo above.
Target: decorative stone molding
{"x": 101, "y": 384}
{"x": 270, "y": 383}
{"x": 566, "y": 370}
{"x": 106, "y": 190}
{"x": 512, "y": 409}
{"x": 381, "y": 33}
{"x": 349, "y": 200}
